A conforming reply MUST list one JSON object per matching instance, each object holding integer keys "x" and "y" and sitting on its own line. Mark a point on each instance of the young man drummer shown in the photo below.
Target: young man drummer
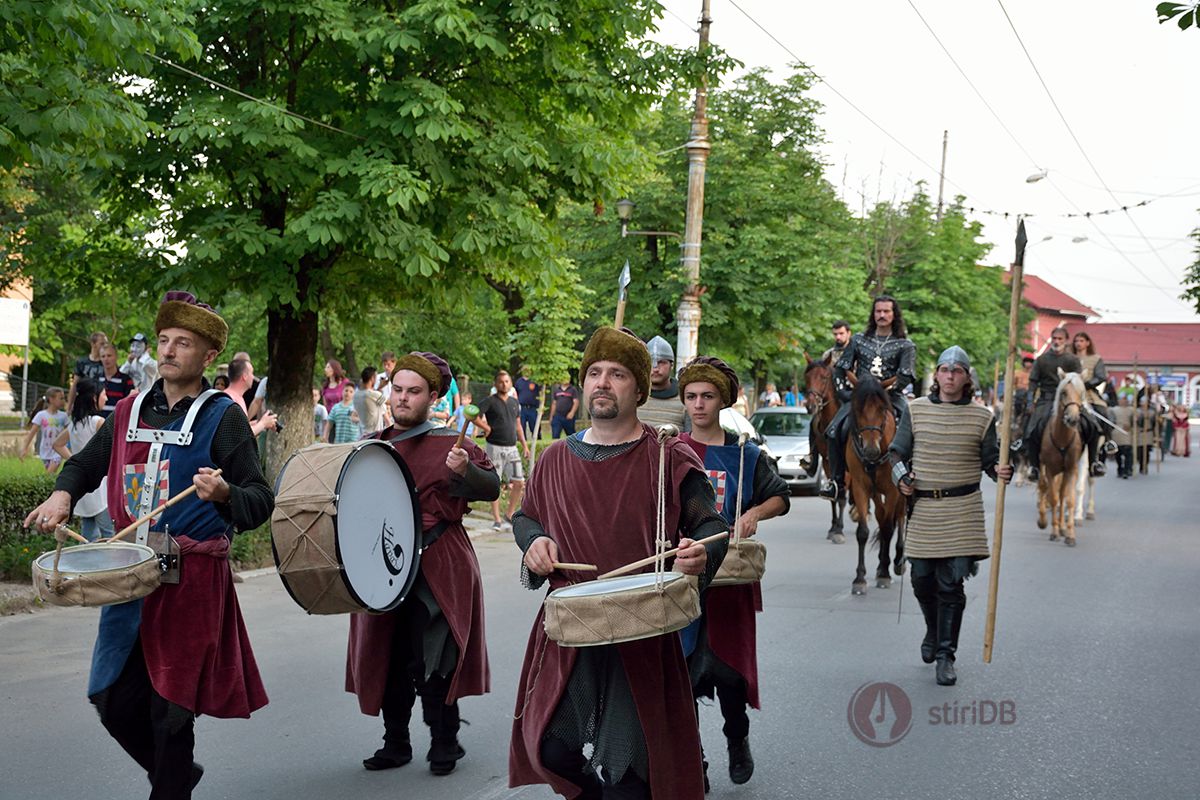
{"x": 721, "y": 646}
{"x": 433, "y": 644}
{"x": 593, "y": 499}
{"x": 183, "y": 649}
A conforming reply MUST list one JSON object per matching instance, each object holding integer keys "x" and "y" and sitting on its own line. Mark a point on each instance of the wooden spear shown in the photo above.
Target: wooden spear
{"x": 1016, "y": 277}
{"x": 622, "y": 295}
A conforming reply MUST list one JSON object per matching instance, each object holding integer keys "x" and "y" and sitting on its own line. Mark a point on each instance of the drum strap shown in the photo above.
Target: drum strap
{"x": 158, "y": 438}
{"x": 413, "y": 432}
{"x": 433, "y": 534}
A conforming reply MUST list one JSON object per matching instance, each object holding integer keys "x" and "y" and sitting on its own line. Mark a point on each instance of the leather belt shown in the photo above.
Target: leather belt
{"x": 953, "y": 491}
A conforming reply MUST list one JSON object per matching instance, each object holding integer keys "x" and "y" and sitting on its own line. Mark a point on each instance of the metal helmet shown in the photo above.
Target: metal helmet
{"x": 955, "y": 355}
{"x": 660, "y": 350}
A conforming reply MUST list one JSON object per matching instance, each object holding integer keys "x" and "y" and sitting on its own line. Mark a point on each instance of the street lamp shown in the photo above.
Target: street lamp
{"x": 1037, "y": 176}
{"x": 625, "y": 208}
{"x": 1078, "y": 239}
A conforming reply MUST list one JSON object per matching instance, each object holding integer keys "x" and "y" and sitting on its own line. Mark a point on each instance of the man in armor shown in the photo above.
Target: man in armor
{"x": 1095, "y": 378}
{"x": 663, "y": 406}
{"x": 841, "y": 340}
{"x": 883, "y": 352}
{"x": 1043, "y": 382}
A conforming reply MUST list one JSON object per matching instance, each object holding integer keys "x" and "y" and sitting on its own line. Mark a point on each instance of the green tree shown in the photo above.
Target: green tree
{"x": 392, "y": 151}
{"x": 779, "y": 254}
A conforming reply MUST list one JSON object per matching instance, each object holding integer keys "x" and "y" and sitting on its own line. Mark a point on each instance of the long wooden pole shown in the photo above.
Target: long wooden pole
{"x": 1018, "y": 272}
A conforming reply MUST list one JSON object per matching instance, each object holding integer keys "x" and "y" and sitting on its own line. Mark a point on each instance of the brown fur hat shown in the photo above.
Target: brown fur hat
{"x": 182, "y": 310}
{"x": 610, "y": 344}
{"x": 710, "y": 369}
{"x": 433, "y": 368}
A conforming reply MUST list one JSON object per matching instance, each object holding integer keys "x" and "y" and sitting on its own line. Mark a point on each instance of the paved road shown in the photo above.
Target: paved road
{"x": 1096, "y": 650}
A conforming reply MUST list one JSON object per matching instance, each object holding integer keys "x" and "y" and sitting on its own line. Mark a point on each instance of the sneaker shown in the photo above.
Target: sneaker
{"x": 496, "y": 526}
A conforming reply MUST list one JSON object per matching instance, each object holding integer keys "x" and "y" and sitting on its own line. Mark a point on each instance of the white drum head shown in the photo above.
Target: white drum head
{"x": 624, "y": 583}
{"x": 377, "y": 524}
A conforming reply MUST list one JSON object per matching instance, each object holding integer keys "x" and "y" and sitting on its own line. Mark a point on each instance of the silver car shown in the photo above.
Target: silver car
{"x": 784, "y": 429}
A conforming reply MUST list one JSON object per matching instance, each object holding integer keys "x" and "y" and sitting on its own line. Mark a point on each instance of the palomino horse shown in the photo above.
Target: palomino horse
{"x": 823, "y": 404}
{"x": 872, "y": 428}
{"x": 1062, "y": 447}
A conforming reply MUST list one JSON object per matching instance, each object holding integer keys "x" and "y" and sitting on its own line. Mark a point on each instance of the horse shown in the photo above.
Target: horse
{"x": 1085, "y": 490}
{"x": 823, "y": 404}
{"x": 872, "y": 428}
{"x": 1062, "y": 447}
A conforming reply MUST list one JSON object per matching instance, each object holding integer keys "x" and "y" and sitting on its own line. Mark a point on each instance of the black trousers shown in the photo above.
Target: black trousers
{"x": 573, "y": 766}
{"x": 406, "y": 680}
{"x": 159, "y": 735}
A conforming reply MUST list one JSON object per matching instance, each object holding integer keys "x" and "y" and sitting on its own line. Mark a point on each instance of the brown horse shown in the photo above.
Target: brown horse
{"x": 1062, "y": 446}
{"x": 872, "y": 428}
{"x": 823, "y": 404}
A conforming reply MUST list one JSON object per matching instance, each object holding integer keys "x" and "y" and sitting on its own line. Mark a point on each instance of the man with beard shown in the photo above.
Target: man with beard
{"x": 1043, "y": 382}
{"x": 884, "y": 352}
{"x": 722, "y": 646}
{"x": 593, "y": 499}
{"x": 663, "y": 406}
{"x": 433, "y": 644}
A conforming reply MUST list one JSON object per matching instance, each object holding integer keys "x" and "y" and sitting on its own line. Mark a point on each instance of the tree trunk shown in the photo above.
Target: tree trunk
{"x": 292, "y": 346}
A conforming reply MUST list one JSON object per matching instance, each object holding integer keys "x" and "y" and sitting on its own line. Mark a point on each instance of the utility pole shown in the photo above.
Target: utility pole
{"x": 942, "y": 174}
{"x": 687, "y": 318}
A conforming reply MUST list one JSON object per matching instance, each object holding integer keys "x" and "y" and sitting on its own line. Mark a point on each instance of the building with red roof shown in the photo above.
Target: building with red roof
{"x": 1163, "y": 353}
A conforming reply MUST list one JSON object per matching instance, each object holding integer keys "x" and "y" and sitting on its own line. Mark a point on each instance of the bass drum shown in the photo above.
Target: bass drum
{"x": 346, "y": 530}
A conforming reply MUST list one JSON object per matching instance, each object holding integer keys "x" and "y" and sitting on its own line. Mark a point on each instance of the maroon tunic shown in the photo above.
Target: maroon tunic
{"x": 603, "y": 513}
{"x": 194, "y": 640}
{"x": 451, "y": 571}
{"x": 729, "y": 616}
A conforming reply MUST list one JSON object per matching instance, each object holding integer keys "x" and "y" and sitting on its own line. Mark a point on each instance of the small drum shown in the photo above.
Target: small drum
{"x": 346, "y": 529}
{"x": 622, "y": 609}
{"x": 745, "y": 562}
{"x": 98, "y": 574}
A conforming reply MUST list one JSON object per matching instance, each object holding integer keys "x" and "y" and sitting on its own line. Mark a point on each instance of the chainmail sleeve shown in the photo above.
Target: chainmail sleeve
{"x": 525, "y": 530}
{"x": 901, "y": 449}
{"x": 907, "y": 368}
{"x": 699, "y": 518}
{"x": 989, "y": 450}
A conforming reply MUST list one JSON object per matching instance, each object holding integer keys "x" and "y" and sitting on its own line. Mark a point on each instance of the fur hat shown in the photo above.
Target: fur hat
{"x": 183, "y": 310}
{"x": 710, "y": 369}
{"x": 433, "y": 368}
{"x": 610, "y": 344}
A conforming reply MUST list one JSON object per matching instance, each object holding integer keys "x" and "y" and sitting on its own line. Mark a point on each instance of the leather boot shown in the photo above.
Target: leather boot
{"x": 925, "y": 589}
{"x": 397, "y": 713}
{"x": 443, "y": 720}
{"x": 949, "y": 623}
{"x": 741, "y": 763}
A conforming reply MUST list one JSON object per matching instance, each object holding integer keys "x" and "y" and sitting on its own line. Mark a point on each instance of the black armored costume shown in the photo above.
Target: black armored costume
{"x": 880, "y": 357}
{"x": 1043, "y": 383}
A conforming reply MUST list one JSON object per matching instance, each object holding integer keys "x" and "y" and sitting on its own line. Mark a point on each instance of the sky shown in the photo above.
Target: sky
{"x": 1120, "y": 79}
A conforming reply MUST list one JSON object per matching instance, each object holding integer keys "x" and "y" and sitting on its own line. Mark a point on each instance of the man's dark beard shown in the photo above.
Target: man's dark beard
{"x": 412, "y": 417}
{"x": 606, "y": 413}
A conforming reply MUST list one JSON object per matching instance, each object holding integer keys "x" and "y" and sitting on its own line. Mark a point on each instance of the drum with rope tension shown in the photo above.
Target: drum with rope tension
{"x": 99, "y": 574}
{"x": 346, "y": 531}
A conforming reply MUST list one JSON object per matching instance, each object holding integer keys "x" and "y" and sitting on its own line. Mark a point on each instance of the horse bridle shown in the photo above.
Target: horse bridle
{"x": 1062, "y": 450}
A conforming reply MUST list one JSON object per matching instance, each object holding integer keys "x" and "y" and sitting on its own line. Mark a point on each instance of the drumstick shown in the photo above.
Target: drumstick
{"x": 133, "y": 526}
{"x": 571, "y": 565}
{"x": 470, "y": 412}
{"x": 71, "y": 533}
{"x": 651, "y": 559}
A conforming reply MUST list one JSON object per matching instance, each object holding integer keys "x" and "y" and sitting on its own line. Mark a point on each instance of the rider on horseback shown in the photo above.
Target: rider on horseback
{"x": 1095, "y": 377}
{"x": 841, "y": 340}
{"x": 1043, "y": 380}
{"x": 883, "y": 352}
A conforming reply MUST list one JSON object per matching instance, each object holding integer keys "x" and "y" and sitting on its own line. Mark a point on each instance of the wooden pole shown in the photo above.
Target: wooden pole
{"x": 1016, "y": 277}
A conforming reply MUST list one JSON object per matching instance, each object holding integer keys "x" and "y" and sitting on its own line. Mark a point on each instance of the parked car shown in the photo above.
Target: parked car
{"x": 784, "y": 430}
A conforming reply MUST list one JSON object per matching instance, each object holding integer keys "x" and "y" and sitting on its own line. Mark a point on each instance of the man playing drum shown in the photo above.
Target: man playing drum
{"x": 183, "y": 650}
{"x": 433, "y": 644}
{"x": 721, "y": 646}
{"x": 941, "y": 447}
{"x": 593, "y": 499}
